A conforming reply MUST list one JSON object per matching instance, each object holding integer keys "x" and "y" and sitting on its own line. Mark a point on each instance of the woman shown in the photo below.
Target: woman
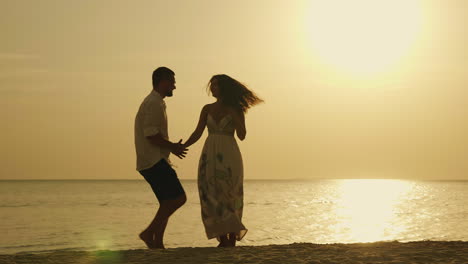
{"x": 220, "y": 170}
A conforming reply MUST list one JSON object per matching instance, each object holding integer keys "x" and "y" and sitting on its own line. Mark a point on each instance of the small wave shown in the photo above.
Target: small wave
{"x": 41, "y": 248}
{"x": 52, "y": 250}
{"x": 261, "y": 203}
{"x": 34, "y": 245}
{"x": 16, "y": 205}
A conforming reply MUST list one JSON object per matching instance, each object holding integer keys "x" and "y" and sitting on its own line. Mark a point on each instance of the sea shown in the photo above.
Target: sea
{"x": 49, "y": 215}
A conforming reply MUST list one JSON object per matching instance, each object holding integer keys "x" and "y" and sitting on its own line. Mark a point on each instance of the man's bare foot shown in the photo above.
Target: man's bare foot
{"x": 148, "y": 238}
{"x": 159, "y": 246}
{"x": 158, "y": 241}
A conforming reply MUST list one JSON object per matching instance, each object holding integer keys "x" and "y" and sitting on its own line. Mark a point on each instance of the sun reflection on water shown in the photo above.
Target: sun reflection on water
{"x": 366, "y": 210}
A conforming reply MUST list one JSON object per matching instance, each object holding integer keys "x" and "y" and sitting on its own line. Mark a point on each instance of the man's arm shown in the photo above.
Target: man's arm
{"x": 175, "y": 148}
{"x": 152, "y": 124}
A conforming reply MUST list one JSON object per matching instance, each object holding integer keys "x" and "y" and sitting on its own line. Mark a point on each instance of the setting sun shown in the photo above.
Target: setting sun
{"x": 365, "y": 36}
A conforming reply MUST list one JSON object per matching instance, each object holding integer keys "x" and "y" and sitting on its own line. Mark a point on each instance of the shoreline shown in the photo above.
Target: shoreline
{"x": 375, "y": 252}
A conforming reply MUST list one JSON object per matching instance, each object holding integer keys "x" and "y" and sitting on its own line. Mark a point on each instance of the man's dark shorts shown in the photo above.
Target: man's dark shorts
{"x": 163, "y": 180}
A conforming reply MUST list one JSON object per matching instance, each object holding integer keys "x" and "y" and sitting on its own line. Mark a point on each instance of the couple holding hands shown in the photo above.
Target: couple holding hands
{"x": 220, "y": 169}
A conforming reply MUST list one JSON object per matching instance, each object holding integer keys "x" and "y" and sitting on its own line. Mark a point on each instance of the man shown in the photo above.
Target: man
{"x": 153, "y": 148}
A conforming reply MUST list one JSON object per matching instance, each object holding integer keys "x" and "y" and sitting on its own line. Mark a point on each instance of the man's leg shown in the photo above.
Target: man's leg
{"x": 156, "y": 229}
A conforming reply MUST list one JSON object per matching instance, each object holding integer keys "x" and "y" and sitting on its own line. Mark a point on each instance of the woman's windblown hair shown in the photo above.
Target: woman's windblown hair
{"x": 235, "y": 94}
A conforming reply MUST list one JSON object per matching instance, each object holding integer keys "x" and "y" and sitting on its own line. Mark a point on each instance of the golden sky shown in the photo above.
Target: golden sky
{"x": 353, "y": 89}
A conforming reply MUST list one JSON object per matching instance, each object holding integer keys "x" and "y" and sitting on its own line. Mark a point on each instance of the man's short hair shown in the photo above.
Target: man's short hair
{"x": 162, "y": 73}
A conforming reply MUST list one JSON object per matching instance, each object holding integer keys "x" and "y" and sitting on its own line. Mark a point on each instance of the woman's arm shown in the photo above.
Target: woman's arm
{"x": 239, "y": 124}
{"x": 199, "y": 129}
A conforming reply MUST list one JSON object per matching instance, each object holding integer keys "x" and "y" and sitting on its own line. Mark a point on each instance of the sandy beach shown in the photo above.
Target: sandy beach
{"x": 379, "y": 252}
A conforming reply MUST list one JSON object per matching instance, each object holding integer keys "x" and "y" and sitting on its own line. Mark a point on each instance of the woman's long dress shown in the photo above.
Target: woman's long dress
{"x": 220, "y": 181}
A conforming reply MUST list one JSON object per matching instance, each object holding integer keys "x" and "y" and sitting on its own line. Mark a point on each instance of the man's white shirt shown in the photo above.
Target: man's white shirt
{"x": 150, "y": 120}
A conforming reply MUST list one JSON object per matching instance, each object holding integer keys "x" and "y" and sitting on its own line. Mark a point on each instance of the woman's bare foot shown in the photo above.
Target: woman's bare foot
{"x": 232, "y": 239}
{"x": 224, "y": 241}
{"x": 224, "y": 244}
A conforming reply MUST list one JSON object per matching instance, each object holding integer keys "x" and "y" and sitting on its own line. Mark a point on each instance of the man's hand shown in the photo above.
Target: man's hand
{"x": 179, "y": 149}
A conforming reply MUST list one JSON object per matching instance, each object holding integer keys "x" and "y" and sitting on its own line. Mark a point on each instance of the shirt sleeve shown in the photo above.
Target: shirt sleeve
{"x": 152, "y": 119}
